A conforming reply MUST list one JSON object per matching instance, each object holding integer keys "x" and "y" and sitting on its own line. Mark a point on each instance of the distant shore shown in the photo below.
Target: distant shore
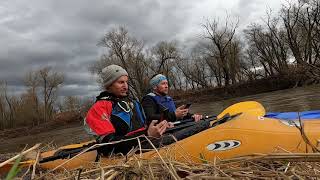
{"x": 238, "y": 90}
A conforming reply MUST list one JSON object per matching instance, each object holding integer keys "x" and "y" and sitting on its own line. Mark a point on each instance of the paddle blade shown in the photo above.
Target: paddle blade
{"x": 251, "y": 107}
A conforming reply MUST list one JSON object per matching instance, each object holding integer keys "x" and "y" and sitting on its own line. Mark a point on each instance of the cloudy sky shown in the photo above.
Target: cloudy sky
{"x": 64, "y": 34}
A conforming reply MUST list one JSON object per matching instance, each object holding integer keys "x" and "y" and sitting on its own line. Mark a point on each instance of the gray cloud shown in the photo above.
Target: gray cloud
{"x": 64, "y": 34}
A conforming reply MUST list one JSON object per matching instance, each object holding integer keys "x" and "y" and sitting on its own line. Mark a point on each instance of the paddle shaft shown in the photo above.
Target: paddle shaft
{"x": 191, "y": 120}
{"x": 223, "y": 119}
{"x": 188, "y": 123}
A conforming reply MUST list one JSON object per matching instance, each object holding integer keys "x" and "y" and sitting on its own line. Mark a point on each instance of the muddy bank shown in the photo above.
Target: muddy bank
{"x": 49, "y": 138}
{"x": 32, "y": 130}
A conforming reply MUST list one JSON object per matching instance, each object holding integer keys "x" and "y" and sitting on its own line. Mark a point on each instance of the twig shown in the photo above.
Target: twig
{"x": 140, "y": 147}
{"x": 101, "y": 174}
{"x": 21, "y": 154}
{"x": 23, "y": 176}
{"x": 35, "y": 165}
{"x": 79, "y": 174}
{"x": 287, "y": 167}
{"x": 305, "y": 137}
{"x": 113, "y": 175}
{"x": 296, "y": 175}
{"x": 151, "y": 172}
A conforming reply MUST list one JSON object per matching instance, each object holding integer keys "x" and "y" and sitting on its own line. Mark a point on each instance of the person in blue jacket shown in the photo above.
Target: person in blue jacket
{"x": 158, "y": 101}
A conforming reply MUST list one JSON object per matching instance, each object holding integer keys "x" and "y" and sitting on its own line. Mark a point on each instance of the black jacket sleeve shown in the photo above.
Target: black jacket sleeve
{"x": 152, "y": 111}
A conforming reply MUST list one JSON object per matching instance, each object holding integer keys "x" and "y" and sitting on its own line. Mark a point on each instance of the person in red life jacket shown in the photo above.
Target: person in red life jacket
{"x": 158, "y": 100}
{"x": 116, "y": 116}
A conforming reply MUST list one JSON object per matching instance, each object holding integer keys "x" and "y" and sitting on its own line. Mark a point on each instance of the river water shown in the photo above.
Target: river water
{"x": 296, "y": 99}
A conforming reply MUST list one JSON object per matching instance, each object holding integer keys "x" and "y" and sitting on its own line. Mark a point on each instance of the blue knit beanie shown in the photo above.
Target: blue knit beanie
{"x": 157, "y": 79}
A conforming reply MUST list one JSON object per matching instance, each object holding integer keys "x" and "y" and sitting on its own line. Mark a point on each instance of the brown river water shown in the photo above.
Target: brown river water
{"x": 296, "y": 99}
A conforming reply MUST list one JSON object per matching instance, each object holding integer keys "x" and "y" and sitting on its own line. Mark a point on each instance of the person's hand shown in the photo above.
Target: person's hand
{"x": 156, "y": 130}
{"x": 170, "y": 125}
{"x": 181, "y": 111}
{"x": 197, "y": 117}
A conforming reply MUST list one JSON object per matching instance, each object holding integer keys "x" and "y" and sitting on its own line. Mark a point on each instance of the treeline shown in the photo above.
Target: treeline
{"x": 284, "y": 45}
{"x": 39, "y": 103}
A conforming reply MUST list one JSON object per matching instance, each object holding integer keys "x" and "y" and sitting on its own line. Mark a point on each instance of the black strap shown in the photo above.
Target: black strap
{"x": 190, "y": 122}
{"x": 67, "y": 153}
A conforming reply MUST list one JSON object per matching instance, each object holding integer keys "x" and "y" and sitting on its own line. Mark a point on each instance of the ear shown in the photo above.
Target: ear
{"x": 107, "y": 88}
{"x": 155, "y": 88}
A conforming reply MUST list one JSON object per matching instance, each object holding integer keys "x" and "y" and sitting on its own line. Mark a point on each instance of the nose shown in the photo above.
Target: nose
{"x": 125, "y": 85}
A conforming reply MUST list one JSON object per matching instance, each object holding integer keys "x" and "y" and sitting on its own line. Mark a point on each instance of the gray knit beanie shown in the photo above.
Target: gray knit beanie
{"x": 111, "y": 73}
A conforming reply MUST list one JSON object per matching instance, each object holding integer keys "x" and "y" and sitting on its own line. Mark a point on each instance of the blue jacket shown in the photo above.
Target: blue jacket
{"x": 165, "y": 101}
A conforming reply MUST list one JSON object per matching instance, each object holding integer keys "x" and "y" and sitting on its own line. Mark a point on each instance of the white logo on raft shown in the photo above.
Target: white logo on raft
{"x": 223, "y": 145}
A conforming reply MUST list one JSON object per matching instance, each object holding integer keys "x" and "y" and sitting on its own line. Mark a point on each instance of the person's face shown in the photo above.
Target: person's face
{"x": 162, "y": 87}
{"x": 119, "y": 87}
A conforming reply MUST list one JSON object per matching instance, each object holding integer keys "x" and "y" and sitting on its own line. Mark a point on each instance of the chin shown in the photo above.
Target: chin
{"x": 123, "y": 94}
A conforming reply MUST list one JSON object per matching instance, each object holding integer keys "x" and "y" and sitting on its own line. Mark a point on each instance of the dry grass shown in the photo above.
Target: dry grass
{"x": 255, "y": 166}
{"x": 277, "y": 166}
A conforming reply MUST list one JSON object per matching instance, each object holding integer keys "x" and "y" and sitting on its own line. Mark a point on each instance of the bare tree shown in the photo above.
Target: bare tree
{"x": 301, "y": 22}
{"x": 316, "y": 32}
{"x": 71, "y": 103}
{"x": 260, "y": 49}
{"x": 219, "y": 40}
{"x": 268, "y": 45}
{"x": 27, "y": 112}
{"x": 9, "y": 114}
{"x": 251, "y": 68}
{"x": 234, "y": 56}
{"x": 32, "y": 81}
{"x": 3, "y": 106}
{"x": 126, "y": 51}
{"x": 163, "y": 57}
{"x": 164, "y": 54}
{"x": 49, "y": 82}
{"x": 184, "y": 66}
{"x": 197, "y": 69}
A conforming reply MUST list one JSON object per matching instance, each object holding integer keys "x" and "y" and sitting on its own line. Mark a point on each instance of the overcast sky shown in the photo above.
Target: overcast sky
{"x": 64, "y": 33}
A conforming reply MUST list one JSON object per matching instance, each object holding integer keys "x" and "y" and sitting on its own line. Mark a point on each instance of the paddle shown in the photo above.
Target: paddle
{"x": 192, "y": 120}
{"x": 250, "y": 107}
